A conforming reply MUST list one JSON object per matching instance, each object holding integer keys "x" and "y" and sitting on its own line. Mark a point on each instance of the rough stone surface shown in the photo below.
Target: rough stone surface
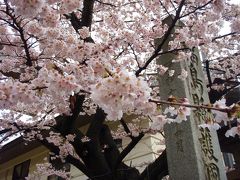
{"x": 193, "y": 153}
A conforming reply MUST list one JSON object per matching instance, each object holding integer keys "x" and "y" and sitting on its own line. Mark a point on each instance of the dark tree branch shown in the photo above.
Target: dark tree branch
{"x": 215, "y": 95}
{"x": 134, "y": 53}
{"x": 96, "y": 123}
{"x": 16, "y": 25}
{"x": 111, "y": 151}
{"x": 78, "y": 164}
{"x": 223, "y": 36}
{"x": 165, "y": 9}
{"x": 76, "y": 102}
{"x": 126, "y": 129}
{"x": 197, "y": 8}
{"x": 86, "y": 19}
{"x": 75, "y": 22}
{"x": 87, "y": 13}
{"x": 78, "y": 145}
{"x": 208, "y": 73}
{"x": 12, "y": 74}
{"x": 165, "y": 37}
{"x": 220, "y": 59}
{"x": 156, "y": 170}
{"x": 228, "y": 144}
{"x": 215, "y": 69}
{"x": 6, "y": 137}
{"x": 65, "y": 124}
{"x": 128, "y": 149}
{"x": 104, "y": 3}
{"x": 174, "y": 51}
{"x": 93, "y": 156}
{"x": 173, "y": 5}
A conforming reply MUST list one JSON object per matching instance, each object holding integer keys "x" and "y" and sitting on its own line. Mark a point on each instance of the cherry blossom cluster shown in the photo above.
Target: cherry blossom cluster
{"x": 65, "y": 85}
{"x": 233, "y": 131}
{"x": 220, "y": 116}
{"x": 179, "y": 113}
{"x": 64, "y": 145}
{"x": 171, "y": 114}
{"x": 122, "y": 93}
{"x": 11, "y": 93}
{"x": 33, "y": 8}
{"x": 47, "y": 169}
{"x": 224, "y": 117}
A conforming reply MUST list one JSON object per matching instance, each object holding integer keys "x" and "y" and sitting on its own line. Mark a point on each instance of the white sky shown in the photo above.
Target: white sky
{"x": 234, "y": 1}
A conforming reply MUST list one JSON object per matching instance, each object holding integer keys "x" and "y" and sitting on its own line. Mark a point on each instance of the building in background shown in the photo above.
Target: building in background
{"x": 18, "y": 160}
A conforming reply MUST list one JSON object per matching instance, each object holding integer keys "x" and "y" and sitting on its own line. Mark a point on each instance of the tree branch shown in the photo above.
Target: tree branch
{"x": 127, "y": 130}
{"x": 223, "y": 36}
{"x": 111, "y": 151}
{"x": 96, "y": 123}
{"x": 16, "y": 25}
{"x": 66, "y": 123}
{"x": 208, "y": 73}
{"x": 165, "y": 37}
{"x": 129, "y": 148}
{"x": 226, "y": 110}
{"x": 69, "y": 158}
{"x": 86, "y": 19}
{"x": 197, "y": 8}
{"x": 156, "y": 170}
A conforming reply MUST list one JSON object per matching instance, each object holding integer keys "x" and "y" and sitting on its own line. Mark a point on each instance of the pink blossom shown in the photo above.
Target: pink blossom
{"x": 162, "y": 69}
{"x": 218, "y": 115}
{"x": 233, "y": 131}
{"x": 122, "y": 93}
{"x": 235, "y": 26}
{"x": 158, "y": 122}
{"x": 84, "y": 32}
{"x": 183, "y": 74}
{"x": 171, "y": 72}
{"x": 214, "y": 126}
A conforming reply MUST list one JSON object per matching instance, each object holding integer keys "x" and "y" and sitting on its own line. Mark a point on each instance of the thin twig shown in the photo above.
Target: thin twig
{"x": 226, "y": 110}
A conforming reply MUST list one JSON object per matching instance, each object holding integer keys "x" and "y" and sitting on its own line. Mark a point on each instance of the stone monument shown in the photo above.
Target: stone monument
{"x": 193, "y": 153}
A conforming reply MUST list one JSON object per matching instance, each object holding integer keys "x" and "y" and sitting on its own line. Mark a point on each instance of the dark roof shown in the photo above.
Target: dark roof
{"x": 15, "y": 148}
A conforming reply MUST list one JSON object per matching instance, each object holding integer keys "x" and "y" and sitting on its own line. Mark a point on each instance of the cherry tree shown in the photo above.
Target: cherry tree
{"x": 64, "y": 60}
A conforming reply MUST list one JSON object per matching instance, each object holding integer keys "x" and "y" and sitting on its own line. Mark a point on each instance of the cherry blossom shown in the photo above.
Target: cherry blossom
{"x": 220, "y": 116}
{"x": 178, "y": 114}
{"x": 183, "y": 74}
{"x": 162, "y": 69}
{"x": 171, "y": 72}
{"x": 47, "y": 169}
{"x": 84, "y": 32}
{"x": 233, "y": 131}
{"x": 212, "y": 126}
{"x": 158, "y": 122}
{"x": 122, "y": 93}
